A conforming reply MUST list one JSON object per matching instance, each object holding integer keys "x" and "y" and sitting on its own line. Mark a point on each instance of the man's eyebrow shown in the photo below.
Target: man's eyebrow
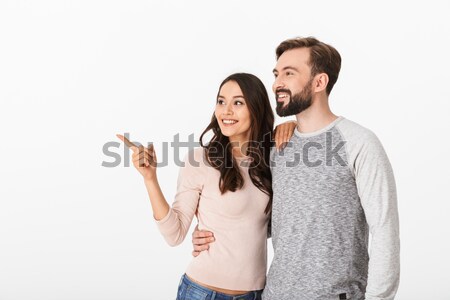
{"x": 290, "y": 68}
{"x": 285, "y": 68}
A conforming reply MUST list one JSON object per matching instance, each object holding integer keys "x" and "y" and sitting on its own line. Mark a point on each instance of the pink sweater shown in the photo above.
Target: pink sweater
{"x": 237, "y": 259}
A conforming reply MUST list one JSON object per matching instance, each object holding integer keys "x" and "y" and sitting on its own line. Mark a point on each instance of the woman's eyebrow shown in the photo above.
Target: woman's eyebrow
{"x": 234, "y": 97}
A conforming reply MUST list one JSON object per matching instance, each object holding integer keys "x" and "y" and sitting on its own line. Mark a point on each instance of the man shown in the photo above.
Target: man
{"x": 332, "y": 185}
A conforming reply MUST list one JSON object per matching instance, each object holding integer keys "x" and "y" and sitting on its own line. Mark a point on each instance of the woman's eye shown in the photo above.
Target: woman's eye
{"x": 220, "y": 102}
{"x": 239, "y": 102}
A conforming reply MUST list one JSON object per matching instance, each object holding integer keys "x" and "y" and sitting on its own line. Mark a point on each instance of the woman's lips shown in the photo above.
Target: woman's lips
{"x": 228, "y": 123}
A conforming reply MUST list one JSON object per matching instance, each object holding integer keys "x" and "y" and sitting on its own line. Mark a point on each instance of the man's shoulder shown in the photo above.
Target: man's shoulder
{"x": 353, "y": 132}
{"x": 359, "y": 139}
{"x": 351, "y": 129}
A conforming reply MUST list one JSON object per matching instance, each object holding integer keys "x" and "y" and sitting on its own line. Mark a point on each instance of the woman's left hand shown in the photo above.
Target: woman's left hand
{"x": 283, "y": 134}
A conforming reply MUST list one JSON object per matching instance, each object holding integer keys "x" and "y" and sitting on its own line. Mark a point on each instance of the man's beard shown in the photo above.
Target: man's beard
{"x": 297, "y": 103}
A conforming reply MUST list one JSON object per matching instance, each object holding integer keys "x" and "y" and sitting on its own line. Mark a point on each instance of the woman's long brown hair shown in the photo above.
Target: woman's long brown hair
{"x": 219, "y": 151}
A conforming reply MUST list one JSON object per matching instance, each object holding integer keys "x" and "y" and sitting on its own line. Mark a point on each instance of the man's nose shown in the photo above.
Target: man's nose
{"x": 278, "y": 83}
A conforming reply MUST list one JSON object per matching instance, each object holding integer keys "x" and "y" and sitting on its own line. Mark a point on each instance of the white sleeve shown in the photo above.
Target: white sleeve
{"x": 377, "y": 191}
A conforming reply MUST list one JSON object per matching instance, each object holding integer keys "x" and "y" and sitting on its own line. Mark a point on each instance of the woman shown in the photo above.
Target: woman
{"x": 227, "y": 184}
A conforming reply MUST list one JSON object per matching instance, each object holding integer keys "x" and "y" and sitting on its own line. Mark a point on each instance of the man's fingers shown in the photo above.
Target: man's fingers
{"x": 202, "y": 234}
{"x": 201, "y": 248}
{"x": 202, "y": 241}
{"x": 195, "y": 232}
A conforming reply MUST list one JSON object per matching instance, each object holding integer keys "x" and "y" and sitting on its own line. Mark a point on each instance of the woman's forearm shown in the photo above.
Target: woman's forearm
{"x": 159, "y": 204}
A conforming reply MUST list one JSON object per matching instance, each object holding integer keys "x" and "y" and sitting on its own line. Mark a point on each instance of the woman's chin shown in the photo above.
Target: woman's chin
{"x": 226, "y": 132}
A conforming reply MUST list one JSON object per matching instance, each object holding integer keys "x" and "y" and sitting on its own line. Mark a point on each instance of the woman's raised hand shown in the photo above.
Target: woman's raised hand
{"x": 144, "y": 159}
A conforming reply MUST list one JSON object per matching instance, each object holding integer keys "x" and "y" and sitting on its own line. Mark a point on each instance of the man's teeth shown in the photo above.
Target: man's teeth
{"x": 282, "y": 96}
{"x": 229, "y": 121}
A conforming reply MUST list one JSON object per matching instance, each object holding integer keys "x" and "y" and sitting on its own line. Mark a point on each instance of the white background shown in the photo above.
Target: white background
{"x": 75, "y": 73}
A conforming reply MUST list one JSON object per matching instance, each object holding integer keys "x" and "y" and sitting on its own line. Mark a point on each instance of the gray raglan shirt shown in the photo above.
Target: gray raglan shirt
{"x": 331, "y": 188}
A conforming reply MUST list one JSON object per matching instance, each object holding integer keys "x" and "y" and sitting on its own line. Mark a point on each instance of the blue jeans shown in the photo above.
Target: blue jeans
{"x": 189, "y": 290}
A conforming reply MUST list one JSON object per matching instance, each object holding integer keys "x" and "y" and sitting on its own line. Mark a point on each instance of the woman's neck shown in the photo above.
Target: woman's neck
{"x": 238, "y": 146}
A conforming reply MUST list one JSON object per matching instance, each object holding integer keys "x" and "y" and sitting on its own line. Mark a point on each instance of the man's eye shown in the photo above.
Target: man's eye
{"x": 275, "y": 75}
{"x": 289, "y": 73}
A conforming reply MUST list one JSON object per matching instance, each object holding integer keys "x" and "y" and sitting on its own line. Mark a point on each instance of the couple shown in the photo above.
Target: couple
{"x": 322, "y": 194}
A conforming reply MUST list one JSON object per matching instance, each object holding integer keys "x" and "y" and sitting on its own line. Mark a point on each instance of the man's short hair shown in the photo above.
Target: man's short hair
{"x": 323, "y": 57}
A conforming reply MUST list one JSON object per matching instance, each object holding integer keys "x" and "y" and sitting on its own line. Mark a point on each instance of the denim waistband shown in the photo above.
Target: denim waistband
{"x": 213, "y": 295}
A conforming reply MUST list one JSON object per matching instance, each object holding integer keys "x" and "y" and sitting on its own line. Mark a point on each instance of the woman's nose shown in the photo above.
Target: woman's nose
{"x": 229, "y": 110}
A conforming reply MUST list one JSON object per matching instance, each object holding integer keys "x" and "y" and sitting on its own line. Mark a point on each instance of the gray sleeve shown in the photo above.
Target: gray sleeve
{"x": 377, "y": 191}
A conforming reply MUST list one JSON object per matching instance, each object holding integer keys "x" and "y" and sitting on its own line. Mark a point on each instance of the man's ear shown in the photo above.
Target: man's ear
{"x": 320, "y": 82}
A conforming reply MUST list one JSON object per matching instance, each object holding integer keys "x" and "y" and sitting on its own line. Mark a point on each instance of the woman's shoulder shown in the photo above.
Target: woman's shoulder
{"x": 196, "y": 158}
